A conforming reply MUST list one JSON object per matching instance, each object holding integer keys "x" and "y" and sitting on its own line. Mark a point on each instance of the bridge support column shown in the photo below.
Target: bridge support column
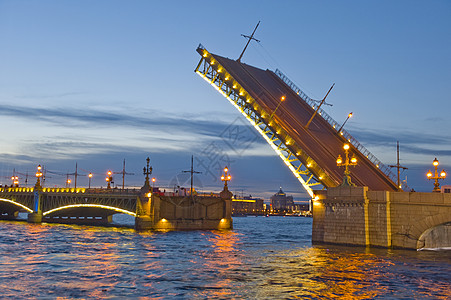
{"x": 144, "y": 219}
{"x": 36, "y": 215}
{"x": 341, "y": 216}
{"x": 226, "y": 222}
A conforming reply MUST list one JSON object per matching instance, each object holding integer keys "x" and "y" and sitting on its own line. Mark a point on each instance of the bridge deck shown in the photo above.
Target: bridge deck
{"x": 321, "y": 141}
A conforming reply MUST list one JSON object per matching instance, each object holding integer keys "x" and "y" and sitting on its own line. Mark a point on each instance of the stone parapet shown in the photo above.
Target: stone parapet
{"x": 356, "y": 216}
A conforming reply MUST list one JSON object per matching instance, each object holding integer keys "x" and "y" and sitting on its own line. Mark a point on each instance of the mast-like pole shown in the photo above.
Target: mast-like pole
{"x": 398, "y": 165}
{"x": 314, "y": 114}
{"x": 123, "y": 176}
{"x": 249, "y": 40}
{"x": 76, "y": 174}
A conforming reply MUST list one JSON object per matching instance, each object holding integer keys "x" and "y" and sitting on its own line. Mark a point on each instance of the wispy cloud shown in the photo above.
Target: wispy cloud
{"x": 411, "y": 142}
{"x": 51, "y": 96}
{"x": 68, "y": 117}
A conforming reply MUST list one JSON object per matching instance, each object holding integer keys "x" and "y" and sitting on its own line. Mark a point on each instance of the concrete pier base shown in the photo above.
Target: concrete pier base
{"x": 34, "y": 218}
{"x": 160, "y": 212}
{"x": 356, "y": 216}
{"x": 143, "y": 223}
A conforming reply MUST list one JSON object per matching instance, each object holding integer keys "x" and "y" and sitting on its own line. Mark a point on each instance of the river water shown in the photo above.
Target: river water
{"x": 262, "y": 258}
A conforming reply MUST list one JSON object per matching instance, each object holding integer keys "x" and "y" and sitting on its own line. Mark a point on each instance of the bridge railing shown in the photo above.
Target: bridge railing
{"x": 385, "y": 169}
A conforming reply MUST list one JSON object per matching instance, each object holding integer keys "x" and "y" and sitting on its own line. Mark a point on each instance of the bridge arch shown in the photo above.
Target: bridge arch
{"x": 16, "y": 204}
{"x": 435, "y": 231}
{"x": 87, "y": 205}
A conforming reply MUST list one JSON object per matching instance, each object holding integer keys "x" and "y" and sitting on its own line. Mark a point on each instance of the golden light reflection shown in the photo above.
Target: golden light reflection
{"x": 223, "y": 261}
{"x": 309, "y": 272}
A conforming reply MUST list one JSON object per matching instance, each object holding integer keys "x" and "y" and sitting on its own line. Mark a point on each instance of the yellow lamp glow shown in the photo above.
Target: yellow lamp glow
{"x": 346, "y": 146}
{"x": 435, "y": 162}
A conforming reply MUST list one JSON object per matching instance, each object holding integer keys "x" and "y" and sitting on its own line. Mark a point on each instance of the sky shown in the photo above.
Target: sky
{"x": 95, "y": 82}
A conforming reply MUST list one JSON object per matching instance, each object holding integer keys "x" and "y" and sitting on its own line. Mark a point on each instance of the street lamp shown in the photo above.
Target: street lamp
{"x": 436, "y": 176}
{"x": 15, "y": 180}
{"x": 349, "y": 115}
{"x": 226, "y": 177}
{"x": 348, "y": 162}
{"x": 39, "y": 175}
{"x": 277, "y": 107}
{"x": 153, "y": 183}
{"x": 109, "y": 179}
{"x": 89, "y": 176}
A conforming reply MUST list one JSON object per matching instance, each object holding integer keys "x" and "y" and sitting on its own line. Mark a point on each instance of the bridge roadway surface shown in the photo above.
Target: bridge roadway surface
{"x": 321, "y": 142}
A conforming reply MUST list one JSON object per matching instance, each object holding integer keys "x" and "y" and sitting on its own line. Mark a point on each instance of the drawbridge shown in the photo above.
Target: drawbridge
{"x": 310, "y": 152}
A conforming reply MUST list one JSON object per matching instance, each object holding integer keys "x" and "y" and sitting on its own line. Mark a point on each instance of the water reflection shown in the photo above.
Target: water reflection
{"x": 262, "y": 258}
{"x": 342, "y": 272}
{"x": 223, "y": 261}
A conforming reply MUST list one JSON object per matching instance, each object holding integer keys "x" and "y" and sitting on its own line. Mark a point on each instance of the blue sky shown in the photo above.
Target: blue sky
{"x": 96, "y": 82}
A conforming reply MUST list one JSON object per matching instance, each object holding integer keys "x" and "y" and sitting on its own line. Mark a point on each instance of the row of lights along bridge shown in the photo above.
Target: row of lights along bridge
{"x": 39, "y": 174}
{"x": 226, "y": 177}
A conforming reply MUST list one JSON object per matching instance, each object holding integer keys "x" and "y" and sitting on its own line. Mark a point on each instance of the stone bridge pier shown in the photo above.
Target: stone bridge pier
{"x": 172, "y": 212}
{"x": 357, "y": 216}
{"x": 152, "y": 210}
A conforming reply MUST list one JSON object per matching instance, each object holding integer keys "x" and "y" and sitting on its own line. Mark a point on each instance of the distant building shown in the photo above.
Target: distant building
{"x": 446, "y": 189}
{"x": 247, "y": 205}
{"x": 280, "y": 201}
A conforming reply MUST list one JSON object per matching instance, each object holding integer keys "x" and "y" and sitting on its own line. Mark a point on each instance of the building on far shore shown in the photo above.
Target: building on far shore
{"x": 280, "y": 201}
{"x": 247, "y": 206}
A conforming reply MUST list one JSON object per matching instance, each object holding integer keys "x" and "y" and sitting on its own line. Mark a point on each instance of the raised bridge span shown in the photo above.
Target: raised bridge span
{"x": 310, "y": 153}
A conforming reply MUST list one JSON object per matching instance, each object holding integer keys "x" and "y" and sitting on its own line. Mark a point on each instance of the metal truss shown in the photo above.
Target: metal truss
{"x": 22, "y": 198}
{"x": 55, "y": 201}
{"x": 303, "y": 167}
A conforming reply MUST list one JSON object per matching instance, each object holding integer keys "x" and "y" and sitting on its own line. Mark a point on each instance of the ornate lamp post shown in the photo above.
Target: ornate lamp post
{"x": 15, "y": 180}
{"x": 39, "y": 175}
{"x": 147, "y": 171}
{"x": 109, "y": 179}
{"x": 68, "y": 181}
{"x": 226, "y": 177}
{"x": 436, "y": 176}
{"x": 348, "y": 162}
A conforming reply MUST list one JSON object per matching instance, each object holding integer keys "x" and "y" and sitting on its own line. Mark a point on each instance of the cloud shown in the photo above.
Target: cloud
{"x": 69, "y": 117}
{"x": 51, "y": 96}
{"x": 409, "y": 141}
